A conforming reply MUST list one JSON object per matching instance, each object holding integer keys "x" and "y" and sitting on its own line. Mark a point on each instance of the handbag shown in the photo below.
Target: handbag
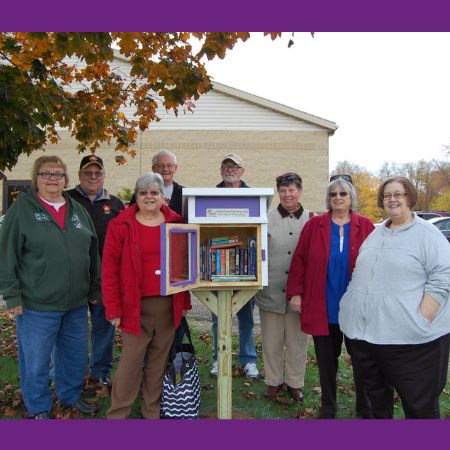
{"x": 181, "y": 392}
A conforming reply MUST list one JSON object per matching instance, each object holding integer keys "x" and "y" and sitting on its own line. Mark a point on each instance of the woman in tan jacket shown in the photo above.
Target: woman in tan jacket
{"x": 284, "y": 343}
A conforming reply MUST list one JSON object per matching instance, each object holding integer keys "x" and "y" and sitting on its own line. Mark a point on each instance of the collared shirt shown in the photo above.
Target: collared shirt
{"x": 285, "y": 213}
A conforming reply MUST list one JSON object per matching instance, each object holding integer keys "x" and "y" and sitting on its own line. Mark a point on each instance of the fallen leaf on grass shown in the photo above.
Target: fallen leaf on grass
{"x": 249, "y": 395}
{"x": 308, "y": 413}
{"x": 317, "y": 390}
{"x": 206, "y": 338}
{"x": 9, "y": 412}
{"x": 103, "y": 392}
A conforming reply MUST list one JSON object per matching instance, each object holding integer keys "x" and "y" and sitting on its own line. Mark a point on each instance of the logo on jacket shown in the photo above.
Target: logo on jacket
{"x": 42, "y": 217}
{"x": 76, "y": 221}
{"x": 107, "y": 209}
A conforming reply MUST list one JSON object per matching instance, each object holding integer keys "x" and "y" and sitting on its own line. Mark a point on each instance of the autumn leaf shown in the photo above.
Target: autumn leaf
{"x": 9, "y": 412}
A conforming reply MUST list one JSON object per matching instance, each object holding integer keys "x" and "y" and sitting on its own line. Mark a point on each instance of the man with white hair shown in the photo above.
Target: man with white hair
{"x": 165, "y": 163}
{"x": 232, "y": 169}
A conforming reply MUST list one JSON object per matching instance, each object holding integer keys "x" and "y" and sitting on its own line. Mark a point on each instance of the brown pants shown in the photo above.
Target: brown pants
{"x": 152, "y": 346}
{"x": 284, "y": 348}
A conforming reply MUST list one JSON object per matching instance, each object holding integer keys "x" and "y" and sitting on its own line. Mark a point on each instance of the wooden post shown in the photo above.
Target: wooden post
{"x": 225, "y": 305}
{"x": 224, "y": 334}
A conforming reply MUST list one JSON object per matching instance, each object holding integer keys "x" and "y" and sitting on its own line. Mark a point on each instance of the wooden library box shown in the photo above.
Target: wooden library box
{"x": 223, "y": 245}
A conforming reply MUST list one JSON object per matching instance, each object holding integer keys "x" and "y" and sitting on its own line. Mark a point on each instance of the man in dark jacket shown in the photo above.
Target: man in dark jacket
{"x": 232, "y": 169}
{"x": 102, "y": 207}
{"x": 165, "y": 163}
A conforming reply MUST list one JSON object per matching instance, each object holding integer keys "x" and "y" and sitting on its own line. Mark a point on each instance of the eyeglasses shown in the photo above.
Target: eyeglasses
{"x": 48, "y": 175}
{"x": 164, "y": 166}
{"x": 287, "y": 178}
{"x": 395, "y": 195}
{"x": 335, "y": 194}
{"x": 341, "y": 177}
{"x": 232, "y": 167}
{"x": 90, "y": 174}
{"x": 152, "y": 193}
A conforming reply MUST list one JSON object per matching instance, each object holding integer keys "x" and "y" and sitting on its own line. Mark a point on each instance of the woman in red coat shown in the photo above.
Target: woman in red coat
{"x": 133, "y": 301}
{"x": 318, "y": 277}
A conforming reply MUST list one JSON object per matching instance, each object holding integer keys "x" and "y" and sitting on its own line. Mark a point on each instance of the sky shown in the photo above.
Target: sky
{"x": 389, "y": 93}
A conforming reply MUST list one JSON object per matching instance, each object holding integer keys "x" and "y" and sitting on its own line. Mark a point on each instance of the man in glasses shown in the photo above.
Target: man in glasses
{"x": 102, "y": 207}
{"x": 232, "y": 169}
{"x": 165, "y": 163}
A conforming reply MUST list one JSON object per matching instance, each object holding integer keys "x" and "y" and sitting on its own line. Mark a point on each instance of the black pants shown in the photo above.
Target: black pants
{"x": 328, "y": 349}
{"x": 417, "y": 372}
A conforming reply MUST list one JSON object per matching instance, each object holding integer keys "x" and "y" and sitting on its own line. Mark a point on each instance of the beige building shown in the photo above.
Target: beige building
{"x": 270, "y": 137}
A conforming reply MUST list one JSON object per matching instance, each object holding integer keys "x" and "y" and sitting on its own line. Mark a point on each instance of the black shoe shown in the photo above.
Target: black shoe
{"x": 42, "y": 415}
{"x": 82, "y": 407}
{"x": 296, "y": 394}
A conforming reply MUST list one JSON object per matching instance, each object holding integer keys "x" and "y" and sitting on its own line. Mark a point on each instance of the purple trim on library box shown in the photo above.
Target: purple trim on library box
{"x": 193, "y": 252}
{"x": 204, "y": 203}
{"x": 263, "y": 254}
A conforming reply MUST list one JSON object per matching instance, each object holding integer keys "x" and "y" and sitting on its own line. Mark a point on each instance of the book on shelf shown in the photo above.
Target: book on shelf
{"x": 230, "y": 244}
{"x": 233, "y": 278}
{"x": 224, "y": 240}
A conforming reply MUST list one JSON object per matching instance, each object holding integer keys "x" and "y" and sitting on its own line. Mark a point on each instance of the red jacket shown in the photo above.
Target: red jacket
{"x": 308, "y": 271}
{"x": 122, "y": 272}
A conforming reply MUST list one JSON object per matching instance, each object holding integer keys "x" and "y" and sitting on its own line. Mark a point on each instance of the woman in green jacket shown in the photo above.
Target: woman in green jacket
{"x": 50, "y": 270}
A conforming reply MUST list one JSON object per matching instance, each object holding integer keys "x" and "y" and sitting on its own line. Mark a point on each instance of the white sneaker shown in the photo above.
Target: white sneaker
{"x": 251, "y": 371}
{"x": 214, "y": 369}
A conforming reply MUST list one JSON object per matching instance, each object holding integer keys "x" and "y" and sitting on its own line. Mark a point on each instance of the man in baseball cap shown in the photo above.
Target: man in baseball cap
{"x": 232, "y": 169}
{"x": 102, "y": 207}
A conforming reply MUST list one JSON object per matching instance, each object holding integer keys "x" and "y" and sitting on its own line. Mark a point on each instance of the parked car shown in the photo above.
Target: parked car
{"x": 443, "y": 223}
{"x": 432, "y": 214}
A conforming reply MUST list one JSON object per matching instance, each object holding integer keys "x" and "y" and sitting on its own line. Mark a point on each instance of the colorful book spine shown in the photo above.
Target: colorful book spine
{"x": 218, "y": 269}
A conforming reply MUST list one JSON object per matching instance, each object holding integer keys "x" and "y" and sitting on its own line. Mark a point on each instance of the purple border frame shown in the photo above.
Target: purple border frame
{"x": 319, "y": 15}
{"x": 140, "y": 15}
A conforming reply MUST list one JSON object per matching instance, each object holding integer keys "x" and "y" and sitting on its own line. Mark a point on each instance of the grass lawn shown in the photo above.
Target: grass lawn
{"x": 248, "y": 396}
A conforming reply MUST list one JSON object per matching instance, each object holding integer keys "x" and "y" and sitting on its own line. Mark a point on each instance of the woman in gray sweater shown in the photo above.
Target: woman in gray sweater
{"x": 283, "y": 342}
{"x": 396, "y": 310}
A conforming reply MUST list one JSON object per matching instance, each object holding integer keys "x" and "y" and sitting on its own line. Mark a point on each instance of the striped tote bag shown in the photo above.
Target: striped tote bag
{"x": 181, "y": 393}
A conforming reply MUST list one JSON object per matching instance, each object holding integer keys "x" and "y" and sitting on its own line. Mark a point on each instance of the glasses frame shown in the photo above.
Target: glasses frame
{"x": 344, "y": 177}
{"x": 58, "y": 176}
{"x": 287, "y": 178}
{"x": 91, "y": 174}
{"x": 165, "y": 166}
{"x": 395, "y": 196}
{"x": 233, "y": 168}
{"x": 342, "y": 194}
{"x": 153, "y": 193}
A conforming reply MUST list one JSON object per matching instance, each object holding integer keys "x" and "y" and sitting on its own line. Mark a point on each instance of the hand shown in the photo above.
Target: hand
{"x": 185, "y": 312}
{"x": 16, "y": 311}
{"x": 296, "y": 303}
{"x": 429, "y": 307}
{"x": 92, "y": 301}
{"x": 115, "y": 322}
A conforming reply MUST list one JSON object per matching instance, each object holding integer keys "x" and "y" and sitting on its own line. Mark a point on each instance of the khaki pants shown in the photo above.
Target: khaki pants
{"x": 284, "y": 349}
{"x": 152, "y": 346}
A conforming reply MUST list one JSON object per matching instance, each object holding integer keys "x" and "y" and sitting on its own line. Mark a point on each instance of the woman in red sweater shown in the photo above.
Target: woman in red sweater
{"x": 133, "y": 301}
{"x": 318, "y": 277}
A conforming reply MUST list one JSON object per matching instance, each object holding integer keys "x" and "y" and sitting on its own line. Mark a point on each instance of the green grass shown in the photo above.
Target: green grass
{"x": 248, "y": 396}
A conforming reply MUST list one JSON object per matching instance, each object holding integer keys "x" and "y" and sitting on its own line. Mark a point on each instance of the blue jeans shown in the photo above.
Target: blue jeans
{"x": 37, "y": 333}
{"x": 247, "y": 352}
{"x": 102, "y": 342}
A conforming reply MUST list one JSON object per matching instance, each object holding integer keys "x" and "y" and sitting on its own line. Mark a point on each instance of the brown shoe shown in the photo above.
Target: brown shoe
{"x": 274, "y": 391}
{"x": 296, "y": 394}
